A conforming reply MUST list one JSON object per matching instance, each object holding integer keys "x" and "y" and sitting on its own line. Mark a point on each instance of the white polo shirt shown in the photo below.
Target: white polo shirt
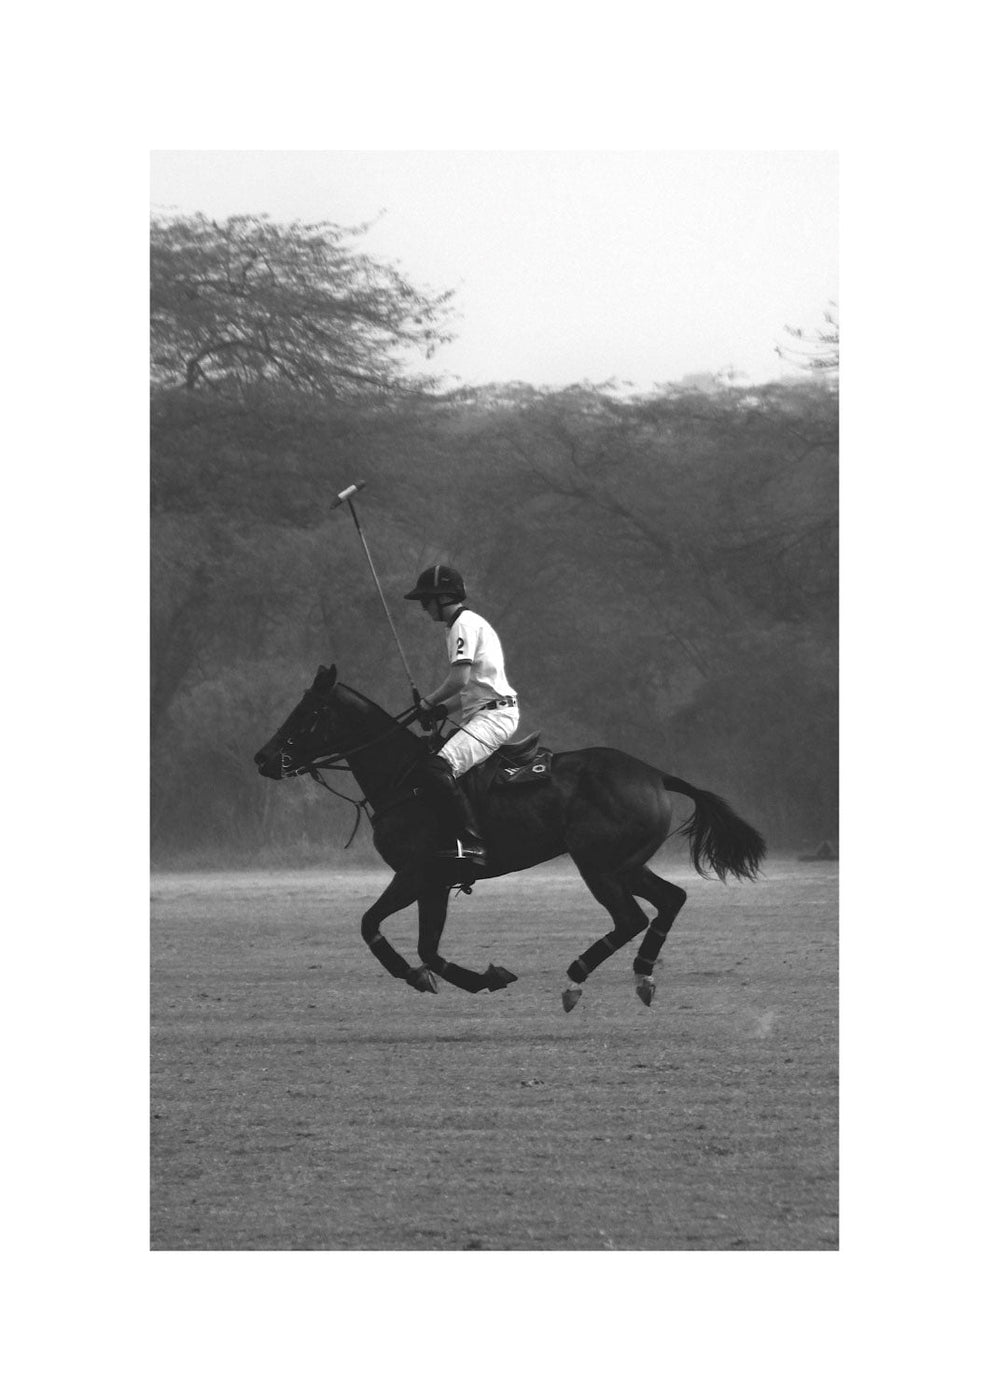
{"x": 471, "y": 640}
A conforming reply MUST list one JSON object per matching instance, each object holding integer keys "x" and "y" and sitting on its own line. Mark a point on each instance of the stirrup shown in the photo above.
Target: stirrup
{"x": 460, "y": 866}
{"x": 468, "y": 852}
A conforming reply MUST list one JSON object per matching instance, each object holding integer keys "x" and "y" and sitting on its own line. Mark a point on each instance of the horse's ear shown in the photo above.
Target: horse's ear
{"x": 327, "y": 677}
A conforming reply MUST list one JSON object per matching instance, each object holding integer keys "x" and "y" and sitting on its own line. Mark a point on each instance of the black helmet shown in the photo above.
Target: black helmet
{"x": 439, "y": 582}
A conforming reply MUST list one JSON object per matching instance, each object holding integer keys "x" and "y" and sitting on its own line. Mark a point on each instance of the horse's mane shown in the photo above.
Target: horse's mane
{"x": 365, "y": 707}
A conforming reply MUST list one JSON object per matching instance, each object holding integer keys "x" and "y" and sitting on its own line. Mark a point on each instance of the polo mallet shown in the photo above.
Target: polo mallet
{"x": 347, "y": 495}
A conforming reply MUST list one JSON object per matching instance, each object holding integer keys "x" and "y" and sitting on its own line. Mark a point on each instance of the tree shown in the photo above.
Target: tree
{"x": 814, "y": 350}
{"x": 249, "y": 302}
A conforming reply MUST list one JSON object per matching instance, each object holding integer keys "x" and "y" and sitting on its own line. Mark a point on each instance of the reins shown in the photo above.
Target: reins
{"x": 337, "y": 762}
{"x": 359, "y": 802}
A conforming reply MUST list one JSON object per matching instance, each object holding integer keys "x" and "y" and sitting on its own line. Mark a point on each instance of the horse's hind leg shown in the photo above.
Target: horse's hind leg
{"x": 669, "y": 900}
{"x": 612, "y": 891}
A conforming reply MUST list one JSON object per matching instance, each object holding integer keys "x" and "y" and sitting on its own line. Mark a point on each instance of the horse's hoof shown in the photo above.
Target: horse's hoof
{"x": 498, "y": 977}
{"x": 422, "y": 979}
{"x": 571, "y": 996}
{"x": 645, "y": 989}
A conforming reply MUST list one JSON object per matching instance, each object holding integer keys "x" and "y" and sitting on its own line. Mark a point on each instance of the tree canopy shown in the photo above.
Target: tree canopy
{"x": 249, "y": 301}
{"x": 815, "y": 350}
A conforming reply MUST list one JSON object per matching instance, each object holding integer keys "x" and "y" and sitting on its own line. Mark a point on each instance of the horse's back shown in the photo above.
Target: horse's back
{"x": 608, "y": 766}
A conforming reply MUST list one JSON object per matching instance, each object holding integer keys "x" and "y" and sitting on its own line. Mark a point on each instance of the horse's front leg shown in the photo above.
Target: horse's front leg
{"x": 402, "y": 892}
{"x": 432, "y": 918}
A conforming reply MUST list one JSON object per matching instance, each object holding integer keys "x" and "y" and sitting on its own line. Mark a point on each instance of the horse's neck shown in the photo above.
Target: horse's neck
{"x": 378, "y": 766}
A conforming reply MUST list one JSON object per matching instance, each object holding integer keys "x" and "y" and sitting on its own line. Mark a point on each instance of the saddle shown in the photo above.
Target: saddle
{"x": 515, "y": 764}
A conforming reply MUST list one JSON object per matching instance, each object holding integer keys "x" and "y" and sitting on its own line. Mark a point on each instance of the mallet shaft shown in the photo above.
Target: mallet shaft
{"x": 345, "y": 496}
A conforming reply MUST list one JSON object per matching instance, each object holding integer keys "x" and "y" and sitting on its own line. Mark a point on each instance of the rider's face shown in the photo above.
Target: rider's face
{"x": 432, "y": 607}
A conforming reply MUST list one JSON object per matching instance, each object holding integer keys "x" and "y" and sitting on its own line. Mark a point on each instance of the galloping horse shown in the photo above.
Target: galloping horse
{"x": 608, "y": 811}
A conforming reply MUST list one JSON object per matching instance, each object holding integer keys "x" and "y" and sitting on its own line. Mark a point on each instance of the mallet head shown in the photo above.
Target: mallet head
{"x": 346, "y": 493}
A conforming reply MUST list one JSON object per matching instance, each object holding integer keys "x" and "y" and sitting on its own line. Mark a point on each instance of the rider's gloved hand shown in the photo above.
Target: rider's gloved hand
{"x": 429, "y": 716}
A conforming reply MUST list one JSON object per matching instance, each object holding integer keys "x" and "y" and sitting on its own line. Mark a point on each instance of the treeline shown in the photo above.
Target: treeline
{"x": 662, "y": 569}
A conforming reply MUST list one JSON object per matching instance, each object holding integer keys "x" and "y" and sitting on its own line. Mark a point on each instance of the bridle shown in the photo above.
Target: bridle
{"x": 337, "y": 761}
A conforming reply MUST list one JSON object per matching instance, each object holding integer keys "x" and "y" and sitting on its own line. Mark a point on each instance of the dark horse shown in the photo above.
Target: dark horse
{"x": 608, "y": 811}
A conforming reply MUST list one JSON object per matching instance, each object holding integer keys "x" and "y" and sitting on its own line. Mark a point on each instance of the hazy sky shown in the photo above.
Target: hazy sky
{"x": 567, "y": 265}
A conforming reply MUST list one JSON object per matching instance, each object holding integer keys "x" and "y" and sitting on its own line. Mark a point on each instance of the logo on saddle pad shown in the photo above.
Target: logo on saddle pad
{"x": 536, "y": 770}
{"x": 521, "y": 762}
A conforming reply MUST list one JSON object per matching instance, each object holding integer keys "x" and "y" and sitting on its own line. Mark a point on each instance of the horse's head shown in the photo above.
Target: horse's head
{"x": 317, "y": 728}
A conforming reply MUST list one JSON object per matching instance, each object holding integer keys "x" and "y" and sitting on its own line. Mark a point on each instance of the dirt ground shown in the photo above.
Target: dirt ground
{"x": 304, "y": 1100}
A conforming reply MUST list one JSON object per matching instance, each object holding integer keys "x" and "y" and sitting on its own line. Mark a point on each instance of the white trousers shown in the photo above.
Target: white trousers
{"x": 479, "y": 737}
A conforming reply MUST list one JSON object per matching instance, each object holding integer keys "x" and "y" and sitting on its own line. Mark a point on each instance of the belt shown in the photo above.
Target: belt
{"x": 500, "y": 704}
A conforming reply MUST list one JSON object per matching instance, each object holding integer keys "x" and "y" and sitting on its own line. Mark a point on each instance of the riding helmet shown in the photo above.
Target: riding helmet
{"x": 439, "y": 582}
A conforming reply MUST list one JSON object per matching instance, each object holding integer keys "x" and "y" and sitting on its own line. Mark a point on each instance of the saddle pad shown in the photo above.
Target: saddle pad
{"x": 535, "y": 770}
{"x": 495, "y": 773}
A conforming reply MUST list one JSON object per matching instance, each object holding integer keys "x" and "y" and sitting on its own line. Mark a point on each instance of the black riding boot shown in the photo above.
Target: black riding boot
{"x": 462, "y": 840}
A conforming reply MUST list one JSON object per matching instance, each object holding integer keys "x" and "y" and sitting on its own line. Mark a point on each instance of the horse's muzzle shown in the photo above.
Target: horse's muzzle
{"x": 269, "y": 765}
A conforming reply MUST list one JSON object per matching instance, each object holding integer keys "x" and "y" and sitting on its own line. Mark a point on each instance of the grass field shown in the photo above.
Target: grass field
{"x": 303, "y": 1100}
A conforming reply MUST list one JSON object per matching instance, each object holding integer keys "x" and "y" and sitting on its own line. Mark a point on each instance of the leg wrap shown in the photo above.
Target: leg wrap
{"x": 389, "y": 959}
{"x": 654, "y": 940}
{"x": 581, "y": 968}
{"x": 463, "y": 977}
{"x": 578, "y": 971}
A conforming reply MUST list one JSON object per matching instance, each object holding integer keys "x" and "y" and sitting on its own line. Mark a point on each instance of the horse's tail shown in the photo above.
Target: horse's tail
{"x": 718, "y": 837}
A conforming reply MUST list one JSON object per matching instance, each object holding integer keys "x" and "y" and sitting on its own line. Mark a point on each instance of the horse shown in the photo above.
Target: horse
{"x": 608, "y": 811}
